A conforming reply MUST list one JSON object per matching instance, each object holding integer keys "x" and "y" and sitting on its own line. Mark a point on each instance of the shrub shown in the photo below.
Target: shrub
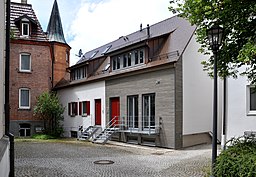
{"x": 43, "y": 136}
{"x": 238, "y": 160}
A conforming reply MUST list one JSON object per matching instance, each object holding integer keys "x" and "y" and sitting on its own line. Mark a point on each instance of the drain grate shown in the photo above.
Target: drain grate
{"x": 104, "y": 162}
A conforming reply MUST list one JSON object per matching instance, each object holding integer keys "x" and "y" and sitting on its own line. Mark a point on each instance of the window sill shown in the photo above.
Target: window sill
{"x": 26, "y": 72}
{"x": 24, "y": 109}
{"x": 84, "y": 115}
{"x": 72, "y": 115}
{"x": 251, "y": 113}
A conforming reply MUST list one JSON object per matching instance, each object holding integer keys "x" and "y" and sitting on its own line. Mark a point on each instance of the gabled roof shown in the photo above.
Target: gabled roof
{"x": 180, "y": 29}
{"x": 20, "y": 11}
{"x": 54, "y": 29}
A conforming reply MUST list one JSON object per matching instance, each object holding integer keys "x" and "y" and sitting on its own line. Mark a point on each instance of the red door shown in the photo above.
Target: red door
{"x": 98, "y": 112}
{"x": 115, "y": 109}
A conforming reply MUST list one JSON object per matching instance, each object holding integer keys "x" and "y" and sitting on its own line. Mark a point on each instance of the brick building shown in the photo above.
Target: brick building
{"x": 38, "y": 61}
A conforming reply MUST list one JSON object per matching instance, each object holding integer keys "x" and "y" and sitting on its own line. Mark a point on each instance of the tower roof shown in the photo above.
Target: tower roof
{"x": 54, "y": 29}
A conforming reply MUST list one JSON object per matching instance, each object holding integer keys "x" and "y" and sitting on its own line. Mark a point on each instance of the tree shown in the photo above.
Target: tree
{"x": 49, "y": 109}
{"x": 238, "y": 18}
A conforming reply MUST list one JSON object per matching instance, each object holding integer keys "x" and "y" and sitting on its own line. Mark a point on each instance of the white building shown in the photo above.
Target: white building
{"x": 241, "y": 107}
{"x": 4, "y": 143}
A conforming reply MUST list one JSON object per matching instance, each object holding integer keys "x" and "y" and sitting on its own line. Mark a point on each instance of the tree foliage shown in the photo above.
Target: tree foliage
{"x": 49, "y": 109}
{"x": 238, "y": 18}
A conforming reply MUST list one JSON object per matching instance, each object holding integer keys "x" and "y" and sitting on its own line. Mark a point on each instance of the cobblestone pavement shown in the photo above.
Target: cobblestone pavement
{"x": 76, "y": 159}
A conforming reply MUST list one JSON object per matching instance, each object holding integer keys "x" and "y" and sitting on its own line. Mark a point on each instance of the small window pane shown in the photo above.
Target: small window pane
{"x": 129, "y": 59}
{"x": 25, "y": 29}
{"x": 25, "y": 63}
{"x": 252, "y": 99}
{"x": 24, "y": 98}
{"x": 136, "y": 57}
{"x": 141, "y": 56}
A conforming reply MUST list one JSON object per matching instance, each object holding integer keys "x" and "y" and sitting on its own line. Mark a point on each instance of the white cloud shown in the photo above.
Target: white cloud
{"x": 99, "y": 23}
{"x": 89, "y": 24}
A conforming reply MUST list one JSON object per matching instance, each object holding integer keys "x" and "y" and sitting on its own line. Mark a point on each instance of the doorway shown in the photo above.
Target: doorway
{"x": 98, "y": 112}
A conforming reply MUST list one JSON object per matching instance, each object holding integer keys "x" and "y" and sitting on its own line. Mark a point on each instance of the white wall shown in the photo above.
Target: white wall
{"x": 197, "y": 92}
{"x": 238, "y": 120}
{"x": 2, "y": 42}
{"x": 86, "y": 92}
{"x": 5, "y": 164}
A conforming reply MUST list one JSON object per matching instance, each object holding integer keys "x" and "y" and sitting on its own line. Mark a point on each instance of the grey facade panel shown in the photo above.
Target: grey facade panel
{"x": 162, "y": 84}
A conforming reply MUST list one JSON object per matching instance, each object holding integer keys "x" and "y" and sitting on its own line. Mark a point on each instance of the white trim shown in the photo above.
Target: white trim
{"x": 24, "y": 70}
{"x": 24, "y": 107}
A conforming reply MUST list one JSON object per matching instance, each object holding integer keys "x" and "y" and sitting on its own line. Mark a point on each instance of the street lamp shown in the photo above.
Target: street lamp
{"x": 215, "y": 35}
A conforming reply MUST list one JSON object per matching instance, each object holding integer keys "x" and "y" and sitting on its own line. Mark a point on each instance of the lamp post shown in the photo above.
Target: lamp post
{"x": 215, "y": 38}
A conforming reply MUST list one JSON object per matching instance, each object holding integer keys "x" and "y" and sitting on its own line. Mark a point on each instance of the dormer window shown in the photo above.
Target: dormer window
{"x": 25, "y": 29}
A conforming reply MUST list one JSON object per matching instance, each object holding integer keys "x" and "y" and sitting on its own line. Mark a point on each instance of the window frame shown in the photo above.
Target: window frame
{"x": 135, "y": 111}
{"x": 20, "y": 63}
{"x": 150, "y": 118}
{"x": 86, "y": 105}
{"x": 22, "y": 29}
{"x": 248, "y": 101}
{"x": 29, "y": 97}
{"x": 72, "y": 109}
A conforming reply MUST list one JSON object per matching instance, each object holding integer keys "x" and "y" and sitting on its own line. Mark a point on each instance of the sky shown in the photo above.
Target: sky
{"x": 88, "y": 24}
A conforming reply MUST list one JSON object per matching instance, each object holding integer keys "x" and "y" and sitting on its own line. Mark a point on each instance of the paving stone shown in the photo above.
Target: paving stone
{"x": 76, "y": 159}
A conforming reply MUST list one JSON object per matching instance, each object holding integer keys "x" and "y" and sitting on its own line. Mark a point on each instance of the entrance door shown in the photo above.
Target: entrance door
{"x": 98, "y": 112}
{"x": 115, "y": 109}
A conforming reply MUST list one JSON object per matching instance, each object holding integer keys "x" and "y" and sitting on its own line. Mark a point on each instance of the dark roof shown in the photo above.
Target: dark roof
{"x": 54, "y": 29}
{"x": 20, "y": 11}
{"x": 180, "y": 29}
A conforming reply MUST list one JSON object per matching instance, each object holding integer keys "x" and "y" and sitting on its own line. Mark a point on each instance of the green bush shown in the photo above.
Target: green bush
{"x": 238, "y": 160}
{"x": 43, "y": 136}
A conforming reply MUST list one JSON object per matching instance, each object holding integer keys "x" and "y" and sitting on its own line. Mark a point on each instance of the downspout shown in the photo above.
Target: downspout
{"x": 7, "y": 88}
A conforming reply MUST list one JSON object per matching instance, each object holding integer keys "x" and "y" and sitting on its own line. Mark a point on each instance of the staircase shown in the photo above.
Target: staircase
{"x": 111, "y": 128}
{"x": 88, "y": 132}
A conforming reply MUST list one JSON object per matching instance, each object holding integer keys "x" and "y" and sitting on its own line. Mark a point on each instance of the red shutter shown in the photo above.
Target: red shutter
{"x": 80, "y": 108}
{"x": 69, "y": 108}
{"x": 76, "y": 108}
{"x": 88, "y": 107}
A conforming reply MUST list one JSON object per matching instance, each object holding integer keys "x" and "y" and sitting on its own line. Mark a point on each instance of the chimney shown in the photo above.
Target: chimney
{"x": 148, "y": 30}
{"x": 140, "y": 27}
{"x": 23, "y": 1}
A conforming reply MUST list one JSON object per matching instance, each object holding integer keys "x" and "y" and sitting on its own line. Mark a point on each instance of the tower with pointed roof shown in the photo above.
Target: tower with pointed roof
{"x": 60, "y": 49}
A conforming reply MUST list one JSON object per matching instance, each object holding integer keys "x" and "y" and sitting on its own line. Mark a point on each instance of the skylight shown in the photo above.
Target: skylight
{"x": 108, "y": 47}
{"x": 93, "y": 55}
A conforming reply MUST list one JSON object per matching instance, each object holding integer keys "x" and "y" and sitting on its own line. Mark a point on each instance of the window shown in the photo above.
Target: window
{"x": 132, "y": 111}
{"x": 148, "y": 103}
{"x": 24, "y": 98}
{"x": 24, "y": 129}
{"x": 251, "y": 101}
{"x": 136, "y": 56}
{"x": 116, "y": 63}
{"x": 25, "y": 62}
{"x": 107, "y": 49}
{"x": 78, "y": 73}
{"x": 84, "y": 108}
{"x": 67, "y": 56}
{"x": 93, "y": 55}
{"x": 25, "y": 29}
{"x": 141, "y": 56}
{"x": 72, "y": 108}
{"x": 124, "y": 60}
{"x": 128, "y": 59}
